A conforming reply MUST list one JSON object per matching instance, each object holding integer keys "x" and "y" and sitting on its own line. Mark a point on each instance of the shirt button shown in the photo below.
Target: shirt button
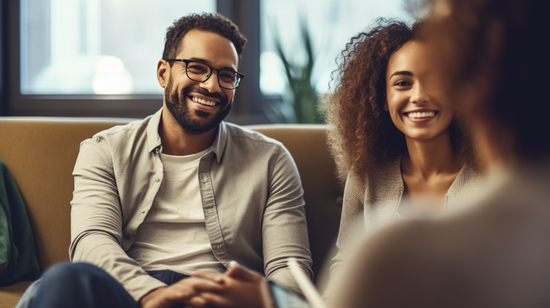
{"x": 157, "y": 180}
{"x": 143, "y": 212}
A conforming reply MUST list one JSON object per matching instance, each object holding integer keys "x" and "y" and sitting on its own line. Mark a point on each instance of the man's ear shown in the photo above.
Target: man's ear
{"x": 163, "y": 72}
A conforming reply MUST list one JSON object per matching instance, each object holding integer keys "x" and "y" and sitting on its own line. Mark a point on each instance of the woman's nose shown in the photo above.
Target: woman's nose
{"x": 419, "y": 95}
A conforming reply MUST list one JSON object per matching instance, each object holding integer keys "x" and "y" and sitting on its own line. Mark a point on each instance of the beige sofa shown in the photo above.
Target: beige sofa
{"x": 40, "y": 153}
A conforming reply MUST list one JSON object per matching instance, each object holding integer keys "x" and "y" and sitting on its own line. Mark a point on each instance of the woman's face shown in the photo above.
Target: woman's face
{"x": 415, "y": 101}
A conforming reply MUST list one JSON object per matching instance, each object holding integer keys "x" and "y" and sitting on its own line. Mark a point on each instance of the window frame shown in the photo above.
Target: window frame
{"x": 247, "y": 108}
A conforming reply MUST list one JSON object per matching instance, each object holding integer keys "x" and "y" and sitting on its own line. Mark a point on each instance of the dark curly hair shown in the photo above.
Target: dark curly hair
{"x": 360, "y": 133}
{"x": 215, "y": 23}
{"x": 499, "y": 49}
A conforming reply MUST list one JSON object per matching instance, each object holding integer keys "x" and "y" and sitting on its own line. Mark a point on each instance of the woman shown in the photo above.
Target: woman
{"x": 394, "y": 135}
{"x": 492, "y": 56}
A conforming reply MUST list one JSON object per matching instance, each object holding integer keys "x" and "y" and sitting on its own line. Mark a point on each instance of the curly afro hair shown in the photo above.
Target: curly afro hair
{"x": 360, "y": 134}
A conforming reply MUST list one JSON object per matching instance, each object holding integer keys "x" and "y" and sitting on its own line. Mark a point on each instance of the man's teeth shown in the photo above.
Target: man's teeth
{"x": 419, "y": 115}
{"x": 203, "y": 102}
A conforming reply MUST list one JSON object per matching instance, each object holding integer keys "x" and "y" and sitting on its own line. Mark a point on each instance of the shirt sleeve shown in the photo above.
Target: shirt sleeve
{"x": 284, "y": 229}
{"x": 96, "y": 220}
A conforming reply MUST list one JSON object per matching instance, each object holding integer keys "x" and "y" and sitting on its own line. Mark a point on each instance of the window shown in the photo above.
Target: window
{"x": 88, "y": 57}
{"x": 98, "y": 57}
{"x": 96, "y": 46}
{"x": 330, "y": 23}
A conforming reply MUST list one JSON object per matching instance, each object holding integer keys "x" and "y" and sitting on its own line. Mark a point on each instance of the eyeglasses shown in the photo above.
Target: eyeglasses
{"x": 198, "y": 71}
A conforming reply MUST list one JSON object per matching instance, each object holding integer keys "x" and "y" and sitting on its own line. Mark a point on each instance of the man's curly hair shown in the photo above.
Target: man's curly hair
{"x": 361, "y": 134}
{"x": 215, "y": 23}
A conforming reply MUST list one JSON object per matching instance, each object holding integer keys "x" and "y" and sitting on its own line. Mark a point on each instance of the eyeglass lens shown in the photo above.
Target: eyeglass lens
{"x": 200, "y": 72}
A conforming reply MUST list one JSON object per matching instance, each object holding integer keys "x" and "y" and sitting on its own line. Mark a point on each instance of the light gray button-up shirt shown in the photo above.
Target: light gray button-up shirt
{"x": 250, "y": 189}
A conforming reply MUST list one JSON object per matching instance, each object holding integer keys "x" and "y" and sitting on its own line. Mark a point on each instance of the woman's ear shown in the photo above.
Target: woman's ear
{"x": 386, "y": 107}
{"x": 163, "y": 72}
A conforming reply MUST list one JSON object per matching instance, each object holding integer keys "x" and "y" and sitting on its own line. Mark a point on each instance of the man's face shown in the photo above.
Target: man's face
{"x": 199, "y": 107}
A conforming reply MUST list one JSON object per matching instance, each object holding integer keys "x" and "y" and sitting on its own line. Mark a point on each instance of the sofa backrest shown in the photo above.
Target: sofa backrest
{"x": 322, "y": 191}
{"x": 41, "y": 152}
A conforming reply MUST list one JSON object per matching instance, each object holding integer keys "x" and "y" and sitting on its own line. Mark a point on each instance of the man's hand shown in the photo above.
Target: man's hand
{"x": 240, "y": 288}
{"x": 182, "y": 292}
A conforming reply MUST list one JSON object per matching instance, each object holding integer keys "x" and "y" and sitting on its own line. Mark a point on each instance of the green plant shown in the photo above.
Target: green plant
{"x": 301, "y": 105}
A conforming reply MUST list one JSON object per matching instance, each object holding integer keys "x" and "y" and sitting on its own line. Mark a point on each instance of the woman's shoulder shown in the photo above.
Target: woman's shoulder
{"x": 468, "y": 176}
{"x": 378, "y": 173}
{"x": 468, "y": 185}
{"x": 382, "y": 184}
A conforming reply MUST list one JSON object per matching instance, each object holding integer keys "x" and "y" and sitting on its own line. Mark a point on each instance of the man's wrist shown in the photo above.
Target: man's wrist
{"x": 148, "y": 296}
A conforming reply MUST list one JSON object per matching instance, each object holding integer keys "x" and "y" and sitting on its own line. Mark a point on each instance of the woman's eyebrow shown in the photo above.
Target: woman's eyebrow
{"x": 406, "y": 73}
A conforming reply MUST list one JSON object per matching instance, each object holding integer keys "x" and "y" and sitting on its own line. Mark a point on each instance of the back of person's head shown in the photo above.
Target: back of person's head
{"x": 207, "y": 22}
{"x": 495, "y": 57}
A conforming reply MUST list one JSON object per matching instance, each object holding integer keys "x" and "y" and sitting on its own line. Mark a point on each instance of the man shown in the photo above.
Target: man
{"x": 181, "y": 191}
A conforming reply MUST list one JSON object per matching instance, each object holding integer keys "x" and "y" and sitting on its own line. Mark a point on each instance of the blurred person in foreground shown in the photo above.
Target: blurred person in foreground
{"x": 492, "y": 56}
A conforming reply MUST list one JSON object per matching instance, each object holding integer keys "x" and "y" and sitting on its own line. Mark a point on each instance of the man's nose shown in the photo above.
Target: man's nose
{"x": 212, "y": 84}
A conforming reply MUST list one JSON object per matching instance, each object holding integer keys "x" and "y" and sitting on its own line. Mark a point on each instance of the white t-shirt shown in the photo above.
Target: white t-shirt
{"x": 173, "y": 235}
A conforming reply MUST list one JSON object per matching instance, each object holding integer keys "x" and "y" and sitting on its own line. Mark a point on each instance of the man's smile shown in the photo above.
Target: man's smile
{"x": 203, "y": 101}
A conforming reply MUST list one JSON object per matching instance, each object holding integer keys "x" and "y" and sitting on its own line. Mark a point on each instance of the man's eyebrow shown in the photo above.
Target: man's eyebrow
{"x": 200, "y": 60}
{"x": 208, "y": 62}
{"x": 406, "y": 73}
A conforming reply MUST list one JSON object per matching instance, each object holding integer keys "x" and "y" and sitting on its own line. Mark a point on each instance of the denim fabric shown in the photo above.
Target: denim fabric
{"x": 167, "y": 276}
{"x": 84, "y": 285}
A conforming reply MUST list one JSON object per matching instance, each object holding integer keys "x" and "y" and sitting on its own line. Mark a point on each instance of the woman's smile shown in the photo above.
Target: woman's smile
{"x": 421, "y": 116}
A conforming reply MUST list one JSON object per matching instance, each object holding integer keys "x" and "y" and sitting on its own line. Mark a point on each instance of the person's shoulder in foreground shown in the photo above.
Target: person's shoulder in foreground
{"x": 491, "y": 256}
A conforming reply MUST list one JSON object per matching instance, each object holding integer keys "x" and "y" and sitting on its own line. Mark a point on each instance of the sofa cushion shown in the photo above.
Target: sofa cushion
{"x": 10, "y": 295}
{"x": 41, "y": 152}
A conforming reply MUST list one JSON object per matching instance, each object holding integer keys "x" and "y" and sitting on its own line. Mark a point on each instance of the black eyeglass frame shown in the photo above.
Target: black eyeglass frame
{"x": 186, "y": 61}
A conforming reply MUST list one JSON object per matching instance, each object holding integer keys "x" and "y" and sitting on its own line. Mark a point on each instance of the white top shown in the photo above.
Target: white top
{"x": 173, "y": 235}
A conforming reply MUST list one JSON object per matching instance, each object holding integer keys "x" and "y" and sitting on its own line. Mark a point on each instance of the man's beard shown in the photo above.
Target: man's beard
{"x": 177, "y": 104}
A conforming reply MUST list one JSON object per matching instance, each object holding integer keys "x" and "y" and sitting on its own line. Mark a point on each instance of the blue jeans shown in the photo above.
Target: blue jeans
{"x": 83, "y": 285}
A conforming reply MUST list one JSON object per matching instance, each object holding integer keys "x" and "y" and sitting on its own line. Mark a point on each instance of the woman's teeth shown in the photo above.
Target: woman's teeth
{"x": 420, "y": 115}
{"x": 203, "y": 102}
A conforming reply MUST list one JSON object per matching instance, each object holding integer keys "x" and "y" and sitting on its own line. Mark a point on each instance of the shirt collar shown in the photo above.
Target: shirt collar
{"x": 154, "y": 142}
{"x": 153, "y": 137}
{"x": 218, "y": 147}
